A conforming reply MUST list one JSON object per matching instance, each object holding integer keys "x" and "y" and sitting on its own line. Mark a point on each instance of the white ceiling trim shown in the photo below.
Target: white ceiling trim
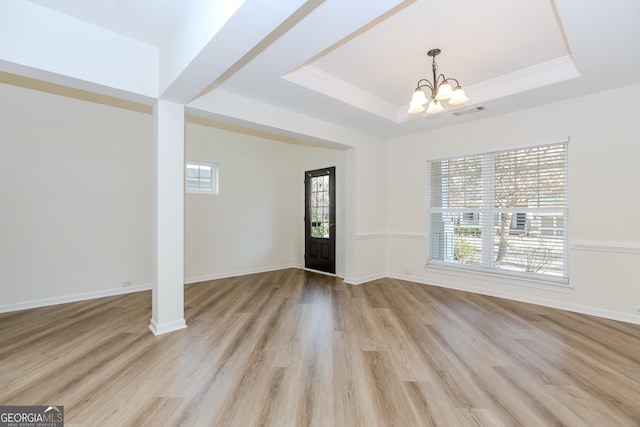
{"x": 343, "y": 62}
{"x": 232, "y": 108}
{"x": 550, "y": 72}
{"x": 330, "y": 85}
{"x": 61, "y": 45}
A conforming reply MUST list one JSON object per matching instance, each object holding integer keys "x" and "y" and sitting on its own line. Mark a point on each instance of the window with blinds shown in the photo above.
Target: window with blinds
{"x": 201, "y": 177}
{"x": 503, "y": 211}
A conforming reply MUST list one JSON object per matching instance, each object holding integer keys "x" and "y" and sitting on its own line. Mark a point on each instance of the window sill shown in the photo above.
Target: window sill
{"x": 210, "y": 192}
{"x": 515, "y": 279}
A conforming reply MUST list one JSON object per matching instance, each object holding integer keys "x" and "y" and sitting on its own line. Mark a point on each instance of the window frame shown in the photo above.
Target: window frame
{"x": 536, "y": 280}
{"x": 215, "y": 182}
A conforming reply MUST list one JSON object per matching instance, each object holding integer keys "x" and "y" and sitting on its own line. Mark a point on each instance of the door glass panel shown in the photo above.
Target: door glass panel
{"x": 320, "y": 206}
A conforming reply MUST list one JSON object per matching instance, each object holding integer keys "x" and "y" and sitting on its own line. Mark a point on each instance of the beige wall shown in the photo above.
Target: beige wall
{"x": 75, "y": 191}
{"x": 256, "y": 222}
{"x": 603, "y": 177}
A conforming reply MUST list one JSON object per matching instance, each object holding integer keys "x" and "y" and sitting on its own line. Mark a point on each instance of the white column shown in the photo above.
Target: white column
{"x": 168, "y": 218}
{"x": 350, "y": 209}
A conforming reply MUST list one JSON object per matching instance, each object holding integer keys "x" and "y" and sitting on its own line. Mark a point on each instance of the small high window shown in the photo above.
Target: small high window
{"x": 202, "y": 177}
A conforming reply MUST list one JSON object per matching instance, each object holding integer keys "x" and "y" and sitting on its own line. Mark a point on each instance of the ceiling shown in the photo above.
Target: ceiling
{"x": 352, "y": 65}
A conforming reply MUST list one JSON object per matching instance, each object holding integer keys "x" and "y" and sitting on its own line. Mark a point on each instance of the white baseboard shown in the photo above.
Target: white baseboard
{"x": 163, "y": 328}
{"x": 197, "y": 279}
{"x": 72, "y": 298}
{"x": 320, "y": 272}
{"x": 365, "y": 279}
{"x": 6, "y": 308}
{"x": 576, "y": 308}
{"x": 160, "y": 329}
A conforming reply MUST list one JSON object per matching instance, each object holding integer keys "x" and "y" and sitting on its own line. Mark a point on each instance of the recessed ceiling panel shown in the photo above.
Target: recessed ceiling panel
{"x": 480, "y": 43}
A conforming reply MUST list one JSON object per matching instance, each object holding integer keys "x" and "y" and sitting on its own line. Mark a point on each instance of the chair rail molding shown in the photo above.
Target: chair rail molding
{"x": 606, "y": 246}
{"x": 414, "y": 235}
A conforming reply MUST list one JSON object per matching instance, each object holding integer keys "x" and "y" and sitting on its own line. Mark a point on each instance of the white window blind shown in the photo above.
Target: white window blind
{"x": 201, "y": 177}
{"x": 501, "y": 211}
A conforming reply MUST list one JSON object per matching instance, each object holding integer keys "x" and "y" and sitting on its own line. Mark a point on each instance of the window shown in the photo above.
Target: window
{"x": 202, "y": 177}
{"x": 503, "y": 211}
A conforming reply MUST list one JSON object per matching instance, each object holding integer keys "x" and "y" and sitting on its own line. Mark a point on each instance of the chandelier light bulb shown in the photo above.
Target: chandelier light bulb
{"x": 444, "y": 91}
{"x": 435, "y": 107}
{"x": 458, "y": 97}
{"x": 415, "y": 108}
{"x": 419, "y": 97}
{"x": 418, "y": 100}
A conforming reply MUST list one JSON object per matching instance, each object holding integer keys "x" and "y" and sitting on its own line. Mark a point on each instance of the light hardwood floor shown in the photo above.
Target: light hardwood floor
{"x": 295, "y": 348}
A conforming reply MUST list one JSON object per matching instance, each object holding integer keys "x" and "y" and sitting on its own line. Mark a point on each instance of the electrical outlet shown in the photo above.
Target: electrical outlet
{"x": 126, "y": 283}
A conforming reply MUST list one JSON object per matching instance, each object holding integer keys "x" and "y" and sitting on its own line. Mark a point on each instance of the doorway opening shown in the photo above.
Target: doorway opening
{"x": 320, "y": 220}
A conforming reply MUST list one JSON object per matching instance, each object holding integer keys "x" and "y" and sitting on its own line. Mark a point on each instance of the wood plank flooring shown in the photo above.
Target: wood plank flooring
{"x": 296, "y": 348}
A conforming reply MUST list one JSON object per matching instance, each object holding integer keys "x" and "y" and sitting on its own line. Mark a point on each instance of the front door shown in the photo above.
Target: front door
{"x": 320, "y": 220}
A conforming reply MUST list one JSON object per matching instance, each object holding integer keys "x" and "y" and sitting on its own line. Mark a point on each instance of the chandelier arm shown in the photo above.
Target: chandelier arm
{"x": 422, "y": 83}
{"x": 455, "y": 80}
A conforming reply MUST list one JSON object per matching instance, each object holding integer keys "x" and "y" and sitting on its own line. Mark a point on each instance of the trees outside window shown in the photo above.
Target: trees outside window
{"x": 503, "y": 210}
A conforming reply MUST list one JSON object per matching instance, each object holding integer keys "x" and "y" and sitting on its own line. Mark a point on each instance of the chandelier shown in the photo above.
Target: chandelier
{"x": 440, "y": 88}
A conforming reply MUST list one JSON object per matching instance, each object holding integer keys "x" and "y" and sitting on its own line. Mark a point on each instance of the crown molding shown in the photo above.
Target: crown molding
{"x": 330, "y": 85}
{"x": 550, "y": 72}
{"x": 546, "y": 73}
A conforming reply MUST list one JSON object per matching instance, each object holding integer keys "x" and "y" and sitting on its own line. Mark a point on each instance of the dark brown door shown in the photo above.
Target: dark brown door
{"x": 320, "y": 220}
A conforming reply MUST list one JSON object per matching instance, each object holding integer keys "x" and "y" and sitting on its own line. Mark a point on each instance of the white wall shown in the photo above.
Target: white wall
{"x": 256, "y": 222}
{"x": 76, "y": 192}
{"x": 75, "y": 197}
{"x": 368, "y": 212}
{"x": 603, "y": 198}
{"x": 364, "y": 174}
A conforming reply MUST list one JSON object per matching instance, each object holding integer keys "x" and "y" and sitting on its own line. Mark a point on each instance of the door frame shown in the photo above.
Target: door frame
{"x": 331, "y": 243}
